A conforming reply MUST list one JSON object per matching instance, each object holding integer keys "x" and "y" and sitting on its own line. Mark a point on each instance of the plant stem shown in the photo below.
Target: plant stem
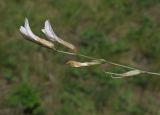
{"x": 109, "y": 62}
{"x": 88, "y": 57}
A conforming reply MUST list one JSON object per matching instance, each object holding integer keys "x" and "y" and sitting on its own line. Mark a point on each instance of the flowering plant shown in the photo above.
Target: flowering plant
{"x": 51, "y": 37}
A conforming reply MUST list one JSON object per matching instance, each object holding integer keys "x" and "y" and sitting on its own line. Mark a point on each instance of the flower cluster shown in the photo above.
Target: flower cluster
{"x": 48, "y": 31}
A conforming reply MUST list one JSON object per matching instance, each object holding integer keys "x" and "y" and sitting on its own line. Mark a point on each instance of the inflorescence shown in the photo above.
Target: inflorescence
{"x": 51, "y": 38}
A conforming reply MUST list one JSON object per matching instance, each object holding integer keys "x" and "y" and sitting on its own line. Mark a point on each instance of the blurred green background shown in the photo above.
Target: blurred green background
{"x": 36, "y": 81}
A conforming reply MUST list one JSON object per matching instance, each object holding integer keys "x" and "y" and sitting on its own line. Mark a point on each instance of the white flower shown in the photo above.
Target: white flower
{"x": 26, "y": 31}
{"x": 48, "y": 31}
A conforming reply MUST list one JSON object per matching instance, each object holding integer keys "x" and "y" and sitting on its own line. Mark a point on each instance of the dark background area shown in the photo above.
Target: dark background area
{"x": 37, "y": 81}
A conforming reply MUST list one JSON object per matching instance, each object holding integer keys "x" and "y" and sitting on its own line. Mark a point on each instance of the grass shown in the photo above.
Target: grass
{"x": 25, "y": 97}
{"x": 126, "y": 32}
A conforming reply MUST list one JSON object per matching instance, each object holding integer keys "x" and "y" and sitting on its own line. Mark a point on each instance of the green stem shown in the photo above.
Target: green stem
{"x": 88, "y": 57}
{"x": 106, "y": 61}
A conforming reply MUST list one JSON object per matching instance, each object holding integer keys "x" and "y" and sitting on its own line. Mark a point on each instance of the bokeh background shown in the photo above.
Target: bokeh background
{"x": 36, "y": 81}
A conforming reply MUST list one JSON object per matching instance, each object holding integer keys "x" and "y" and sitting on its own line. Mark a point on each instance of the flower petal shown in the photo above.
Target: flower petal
{"x": 48, "y": 31}
{"x": 44, "y": 31}
{"x": 23, "y": 31}
{"x": 29, "y": 31}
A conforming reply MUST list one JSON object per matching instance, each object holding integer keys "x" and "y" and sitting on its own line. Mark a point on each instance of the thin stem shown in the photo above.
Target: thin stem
{"x": 116, "y": 64}
{"x": 60, "y": 51}
{"x": 109, "y": 62}
{"x": 116, "y": 74}
{"x": 77, "y": 54}
{"x": 151, "y": 73}
{"x": 106, "y": 61}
